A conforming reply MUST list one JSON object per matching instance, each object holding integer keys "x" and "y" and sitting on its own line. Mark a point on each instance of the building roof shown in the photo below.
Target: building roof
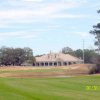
{"x": 52, "y": 57}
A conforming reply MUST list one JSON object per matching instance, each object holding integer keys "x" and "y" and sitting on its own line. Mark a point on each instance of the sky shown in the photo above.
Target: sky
{"x": 48, "y": 25}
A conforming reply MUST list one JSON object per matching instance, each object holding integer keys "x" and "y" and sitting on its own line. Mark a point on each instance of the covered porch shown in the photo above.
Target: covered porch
{"x": 56, "y": 63}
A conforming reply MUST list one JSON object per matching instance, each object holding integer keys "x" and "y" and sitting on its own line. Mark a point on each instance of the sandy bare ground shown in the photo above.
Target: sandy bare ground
{"x": 11, "y": 71}
{"x": 75, "y": 66}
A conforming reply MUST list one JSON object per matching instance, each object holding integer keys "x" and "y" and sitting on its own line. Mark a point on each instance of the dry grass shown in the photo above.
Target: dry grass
{"x": 26, "y": 71}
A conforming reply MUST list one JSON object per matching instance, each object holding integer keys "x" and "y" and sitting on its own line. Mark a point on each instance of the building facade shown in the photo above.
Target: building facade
{"x": 56, "y": 59}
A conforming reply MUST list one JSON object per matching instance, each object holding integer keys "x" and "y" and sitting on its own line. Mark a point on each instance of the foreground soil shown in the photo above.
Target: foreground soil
{"x": 29, "y": 72}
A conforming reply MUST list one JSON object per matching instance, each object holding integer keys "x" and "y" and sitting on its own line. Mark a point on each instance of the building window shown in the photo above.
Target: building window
{"x": 37, "y": 64}
{"x": 69, "y": 63}
{"x": 74, "y": 62}
{"x": 33, "y": 64}
{"x": 50, "y": 64}
{"x": 42, "y": 64}
{"x": 46, "y": 64}
{"x": 65, "y": 63}
{"x": 55, "y": 63}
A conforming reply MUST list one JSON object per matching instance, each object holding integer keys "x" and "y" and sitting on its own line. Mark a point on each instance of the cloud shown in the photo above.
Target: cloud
{"x": 15, "y": 14}
{"x": 33, "y": 0}
{"x": 18, "y": 34}
{"x": 39, "y": 12}
{"x": 24, "y": 11}
{"x": 72, "y": 16}
{"x": 4, "y": 25}
{"x": 82, "y": 34}
{"x": 53, "y": 26}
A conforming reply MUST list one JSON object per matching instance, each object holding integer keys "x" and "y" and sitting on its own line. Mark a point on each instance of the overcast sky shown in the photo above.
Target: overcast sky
{"x": 45, "y": 25}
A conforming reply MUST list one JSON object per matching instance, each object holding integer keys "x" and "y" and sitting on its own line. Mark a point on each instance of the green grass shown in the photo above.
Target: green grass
{"x": 72, "y": 88}
{"x": 34, "y": 70}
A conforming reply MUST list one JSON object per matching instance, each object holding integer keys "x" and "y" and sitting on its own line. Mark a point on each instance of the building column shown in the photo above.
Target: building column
{"x": 52, "y": 63}
{"x": 48, "y": 63}
{"x": 67, "y": 63}
{"x": 57, "y": 63}
{"x": 62, "y": 63}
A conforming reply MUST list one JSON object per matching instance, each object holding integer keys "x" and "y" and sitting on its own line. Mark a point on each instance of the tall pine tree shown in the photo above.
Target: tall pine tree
{"x": 96, "y": 32}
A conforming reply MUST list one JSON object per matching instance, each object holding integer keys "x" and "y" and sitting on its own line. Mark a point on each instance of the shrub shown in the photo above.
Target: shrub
{"x": 95, "y": 69}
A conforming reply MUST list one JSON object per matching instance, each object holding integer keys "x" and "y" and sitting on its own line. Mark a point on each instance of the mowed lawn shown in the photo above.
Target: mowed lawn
{"x": 68, "y": 88}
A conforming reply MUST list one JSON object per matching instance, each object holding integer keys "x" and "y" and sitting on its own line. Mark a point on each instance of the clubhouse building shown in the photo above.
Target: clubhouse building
{"x": 56, "y": 59}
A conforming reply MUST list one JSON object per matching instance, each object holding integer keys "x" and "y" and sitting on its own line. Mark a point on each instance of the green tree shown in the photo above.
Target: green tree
{"x": 29, "y": 58}
{"x": 79, "y": 53}
{"x": 19, "y": 56}
{"x": 89, "y": 55}
{"x": 15, "y": 56}
{"x": 6, "y": 55}
{"x": 68, "y": 50}
{"x": 96, "y": 32}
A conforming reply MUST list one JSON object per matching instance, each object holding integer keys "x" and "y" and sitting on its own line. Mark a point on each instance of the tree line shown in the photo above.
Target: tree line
{"x": 16, "y": 56}
{"x": 89, "y": 55}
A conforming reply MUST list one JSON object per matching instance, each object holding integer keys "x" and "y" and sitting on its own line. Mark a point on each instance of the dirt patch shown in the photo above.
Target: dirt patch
{"x": 39, "y": 75}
